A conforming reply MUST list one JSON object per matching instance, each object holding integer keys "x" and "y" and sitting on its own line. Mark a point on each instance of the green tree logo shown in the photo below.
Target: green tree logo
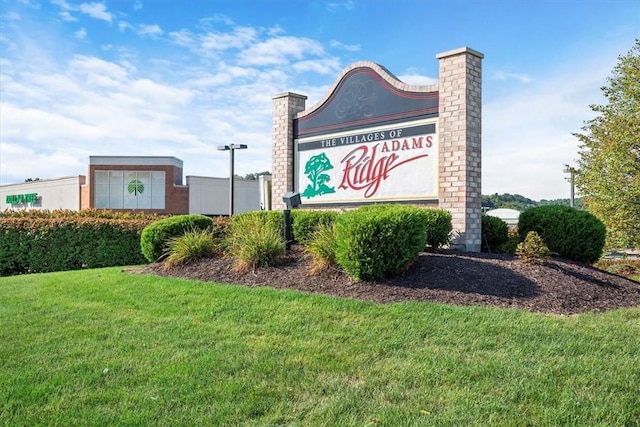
{"x": 135, "y": 187}
{"x": 314, "y": 169}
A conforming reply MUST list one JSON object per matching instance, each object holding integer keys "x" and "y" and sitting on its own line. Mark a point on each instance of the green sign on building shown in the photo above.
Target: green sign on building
{"x": 17, "y": 199}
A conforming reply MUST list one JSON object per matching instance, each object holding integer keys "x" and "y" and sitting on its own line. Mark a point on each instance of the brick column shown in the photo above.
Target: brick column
{"x": 460, "y": 138}
{"x": 285, "y": 107}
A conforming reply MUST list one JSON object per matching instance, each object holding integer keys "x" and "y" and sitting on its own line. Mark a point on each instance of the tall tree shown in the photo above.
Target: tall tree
{"x": 609, "y": 165}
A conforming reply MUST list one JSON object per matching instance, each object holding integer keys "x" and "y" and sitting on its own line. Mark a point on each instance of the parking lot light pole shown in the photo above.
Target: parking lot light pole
{"x": 231, "y": 148}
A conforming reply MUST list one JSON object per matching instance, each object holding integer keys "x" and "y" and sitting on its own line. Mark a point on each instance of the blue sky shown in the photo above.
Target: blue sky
{"x": 178, "y": 78}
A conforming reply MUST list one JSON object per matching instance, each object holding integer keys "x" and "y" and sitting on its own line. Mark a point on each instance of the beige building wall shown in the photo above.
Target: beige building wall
{"x": 210, "y": 196}
{"x": 52, "y": 194}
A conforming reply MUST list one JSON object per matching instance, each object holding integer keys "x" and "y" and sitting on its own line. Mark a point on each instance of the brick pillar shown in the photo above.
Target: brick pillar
{"x": 285, "y": 107}
{"x": 460, "y": 138}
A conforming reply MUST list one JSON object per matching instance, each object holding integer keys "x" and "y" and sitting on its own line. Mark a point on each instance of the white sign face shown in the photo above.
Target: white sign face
{"x": 384, "y": 163}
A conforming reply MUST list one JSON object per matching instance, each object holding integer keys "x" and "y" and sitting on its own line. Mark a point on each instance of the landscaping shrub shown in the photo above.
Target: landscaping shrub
{"x": 571, "y": 233}
{"x": 439, "y": 227}
{"x": 306, "y": 222}
{"x": 623, "y": 269}
{"x": 274, "y": 219}
{"x": 155, "y": 236}
{"x": 379, "y": 240}
{"x": 321, "y": 247}
{"x": 190, "y": 246}
{"x": 510, "y": 246}
{"x": 45, "y": 241}
{"x": 256, "y": 239}
{"x": 495, "y": 233}
{"x": 533, "y": 249}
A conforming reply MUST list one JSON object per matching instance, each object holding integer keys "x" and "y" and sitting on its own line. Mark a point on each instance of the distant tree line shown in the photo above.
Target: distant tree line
{"x": 252, "y": 176}
{"x": 521, "y": 203}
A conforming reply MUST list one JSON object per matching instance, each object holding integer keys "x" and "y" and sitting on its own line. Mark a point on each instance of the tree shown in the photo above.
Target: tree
{"x": 252, "y": 176}
{"x": 609, "y": 165}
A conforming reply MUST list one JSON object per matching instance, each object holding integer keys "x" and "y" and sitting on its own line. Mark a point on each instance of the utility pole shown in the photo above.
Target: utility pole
{"x": 572, "y": 179}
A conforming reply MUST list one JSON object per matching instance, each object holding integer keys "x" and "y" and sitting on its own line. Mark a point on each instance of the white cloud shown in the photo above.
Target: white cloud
{"x": 150, "y": 30}
{"x": 81, "y": 34}
{"x": 66, "y": 16}
{"x": 326, "y": 66}
{"x": 278, "y": 51}
{"x": 238, "y": 39}
{"x": 417, "y": 79}
{"x": 124, "y": 25}
{"x": 503, "y": 75}
{"x": 338, "y": 6}
{"x": 96, "y": 10}
{"x": 348, "y": 47}
{"x": 11, "y": 16}
{"x": 96, "y": 69}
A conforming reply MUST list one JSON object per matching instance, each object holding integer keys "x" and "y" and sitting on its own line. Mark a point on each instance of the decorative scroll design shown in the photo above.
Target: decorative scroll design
{"x": 357, "y": 100}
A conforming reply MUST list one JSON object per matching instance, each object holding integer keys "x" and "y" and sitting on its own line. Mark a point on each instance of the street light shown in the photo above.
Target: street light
{"x": 231, "y": 148}
{"x": 572, "y": 171}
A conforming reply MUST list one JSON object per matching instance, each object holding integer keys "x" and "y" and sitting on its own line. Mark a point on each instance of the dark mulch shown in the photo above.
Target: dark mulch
{"x": 497, "y": 280}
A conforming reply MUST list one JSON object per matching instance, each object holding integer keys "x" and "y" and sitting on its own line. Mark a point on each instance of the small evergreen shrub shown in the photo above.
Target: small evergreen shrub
{"x": 571, "y": 233}
{"x": 495, "y": 233}
{"x": 533, "y": 250}
{"x": 379, "y": 240}
{"x": 255, "y": 240}
{"x": 306, "y": 222}
{"x": 190, "y": 246}
{"x": 155, "y": 236}
{"x": 321, "y": 247}
{"x": 439, "y": 227}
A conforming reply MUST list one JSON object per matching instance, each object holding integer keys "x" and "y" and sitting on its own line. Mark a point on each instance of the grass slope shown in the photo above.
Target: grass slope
{"x": 103, "y": 347}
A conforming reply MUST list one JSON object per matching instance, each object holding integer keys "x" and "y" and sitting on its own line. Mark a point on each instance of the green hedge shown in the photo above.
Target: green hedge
{"x": 439, "y": 227}
{"x": 306, "y": 222}
{"x": 570, "y": 233}
{"x": 59, "y": 241}
{"x": 379, "y": 240}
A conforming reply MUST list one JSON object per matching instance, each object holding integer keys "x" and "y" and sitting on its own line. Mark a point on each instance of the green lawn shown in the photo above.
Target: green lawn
{"x": 103, "y": 347}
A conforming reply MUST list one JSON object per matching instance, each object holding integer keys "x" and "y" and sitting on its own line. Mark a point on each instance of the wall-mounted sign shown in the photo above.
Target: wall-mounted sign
{"x": 17, "y": 199}
{"x": 386, "y": 163}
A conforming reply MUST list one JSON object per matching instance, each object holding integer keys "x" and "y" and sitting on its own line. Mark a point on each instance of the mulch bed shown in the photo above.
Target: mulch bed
{"x": 497, "y": 280}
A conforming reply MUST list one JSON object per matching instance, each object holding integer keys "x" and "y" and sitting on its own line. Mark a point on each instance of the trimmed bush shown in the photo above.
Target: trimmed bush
{"x": 439, "y": 227}
{"x": 379, "y": 240}
{"x": 155, "y": 236}
{"x": 45, "y": 241}
{"x": 495, "y": 233}
{"x": 306, "y": 222}
{"x": 568, "y": 232}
